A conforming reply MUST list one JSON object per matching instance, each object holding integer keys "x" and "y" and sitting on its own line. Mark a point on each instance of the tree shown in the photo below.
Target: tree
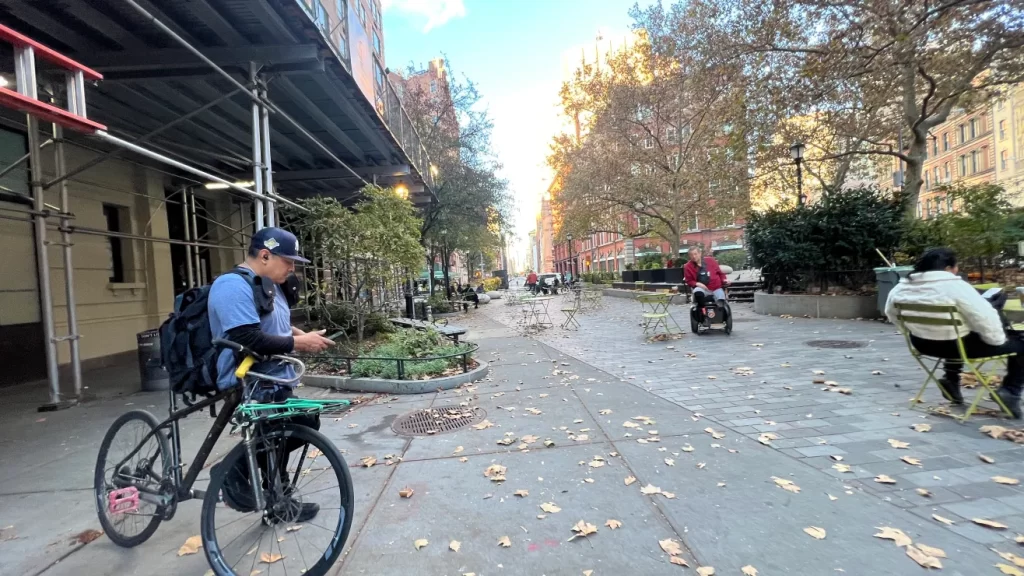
{"x": 656, "y": 138}
{"x": 876, "y": 71}
{"x": 456, "y": 132}
{"x": 357, "y": 252}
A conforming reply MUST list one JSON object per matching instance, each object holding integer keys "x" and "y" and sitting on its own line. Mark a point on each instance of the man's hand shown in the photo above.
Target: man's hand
{"x": 312, "y": 342}
{"x": 297, "y": 331}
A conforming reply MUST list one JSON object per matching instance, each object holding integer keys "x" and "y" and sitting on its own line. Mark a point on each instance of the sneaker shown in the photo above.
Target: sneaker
{"x": 951, "y": 390}
{"x": 1011, "y": 400}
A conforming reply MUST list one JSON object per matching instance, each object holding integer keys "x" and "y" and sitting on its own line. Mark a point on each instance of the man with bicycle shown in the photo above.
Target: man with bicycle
{"x": 263, "y": 327}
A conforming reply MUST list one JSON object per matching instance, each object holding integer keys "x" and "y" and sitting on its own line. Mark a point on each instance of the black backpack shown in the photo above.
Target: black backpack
{"x": 186, "y": 340}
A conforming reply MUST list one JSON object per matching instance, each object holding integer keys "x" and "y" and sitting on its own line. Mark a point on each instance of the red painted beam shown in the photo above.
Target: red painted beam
{"x": 46, "y": 53}
{"x": 42, "y": 110}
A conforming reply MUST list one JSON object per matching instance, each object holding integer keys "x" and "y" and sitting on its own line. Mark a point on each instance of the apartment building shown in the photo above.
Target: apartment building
{"x": 962, "y": 149}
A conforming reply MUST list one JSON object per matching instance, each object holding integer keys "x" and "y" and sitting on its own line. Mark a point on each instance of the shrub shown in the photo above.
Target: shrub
{"x": 491, "y": 284}
{"x": 410, "y": 344}
{"x": 735, "y": 259}
{"x": 650, "y": 261}
{"x": 439, "y": 303}
{"x": 833, "y": 241}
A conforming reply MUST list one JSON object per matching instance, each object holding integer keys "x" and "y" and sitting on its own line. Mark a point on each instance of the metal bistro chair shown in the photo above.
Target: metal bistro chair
{"x": 571, "y": 311}
{"x": 948, "y": 315}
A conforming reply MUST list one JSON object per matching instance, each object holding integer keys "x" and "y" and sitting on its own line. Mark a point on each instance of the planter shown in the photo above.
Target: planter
{"x": 386, "y": 386}
{"x": 645, "y": 276}
{"x": 630, "y": 276}
{"x": 658, "y": 275}
{"x": 674, "y": 275}
{"x": 816, "y": 306}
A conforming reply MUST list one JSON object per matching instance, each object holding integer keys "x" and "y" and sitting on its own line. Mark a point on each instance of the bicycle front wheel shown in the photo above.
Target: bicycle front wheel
{"x": 306, "y": 517}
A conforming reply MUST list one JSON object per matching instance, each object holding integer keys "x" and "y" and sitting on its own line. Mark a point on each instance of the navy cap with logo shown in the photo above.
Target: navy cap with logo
{"x": 279, "y": 242}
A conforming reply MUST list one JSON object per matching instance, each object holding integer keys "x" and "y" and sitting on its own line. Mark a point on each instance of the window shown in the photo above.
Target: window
{"x": 320, "y": 15}
{"x": 378, "y": 75}
{"x": 927, "y": 181}
{"x": 117, "y": 221}
{"x": 935, "y": 146}
{"x": 939, "y": 203}
{"x": 974, "y": 161}
{"x": 963, "y": 165}
{"x": 919, "y": 209}
{"x": 935, "y": 176}
{"x": 974, "y": 128}
{"x": 670, "y": 134}
{"x": 1002, "y": 129}
{"x": 945, "y": 141}
{"x": 946, "y": 171}
{"x": 648, "y": 143}
{"x": 1004, "y": 158}
{"x": 375, "y": 12}
{"x": 361, "y": 11}
{"x": 433, "y": 86}
{"x": 963, "y": 133}
{"x": 376, "y": 43}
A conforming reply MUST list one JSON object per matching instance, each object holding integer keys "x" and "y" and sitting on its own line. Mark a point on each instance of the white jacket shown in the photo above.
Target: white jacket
{"x": 944, "y": 288}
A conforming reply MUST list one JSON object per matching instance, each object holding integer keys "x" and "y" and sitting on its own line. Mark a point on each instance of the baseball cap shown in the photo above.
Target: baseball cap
{"x": 280, "y": 242}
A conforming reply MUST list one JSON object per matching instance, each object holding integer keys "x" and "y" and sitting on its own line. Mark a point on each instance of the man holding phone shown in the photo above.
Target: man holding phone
{"x": 250, "y": 307}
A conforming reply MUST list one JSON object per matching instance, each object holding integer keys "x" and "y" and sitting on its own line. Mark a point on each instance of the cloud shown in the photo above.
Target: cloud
{"x": 436, "y": 12}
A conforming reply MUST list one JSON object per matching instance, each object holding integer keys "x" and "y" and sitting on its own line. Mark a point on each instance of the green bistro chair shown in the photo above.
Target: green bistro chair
{"x": 948, "y": 315}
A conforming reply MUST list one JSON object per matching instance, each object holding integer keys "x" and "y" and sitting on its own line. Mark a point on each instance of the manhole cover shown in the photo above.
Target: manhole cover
{"x": 836, "y": 344}
{"x": 436, "y": 420}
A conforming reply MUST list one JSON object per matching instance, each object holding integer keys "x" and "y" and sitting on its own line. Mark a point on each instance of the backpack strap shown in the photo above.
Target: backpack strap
{"x": 263, "y": 296}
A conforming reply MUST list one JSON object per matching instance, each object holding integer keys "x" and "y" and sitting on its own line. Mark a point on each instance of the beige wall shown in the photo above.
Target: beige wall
{"x": 109, "y": 315}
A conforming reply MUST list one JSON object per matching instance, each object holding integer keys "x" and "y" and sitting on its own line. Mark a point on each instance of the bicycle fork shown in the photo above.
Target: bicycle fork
{"x": 254, "y": 468}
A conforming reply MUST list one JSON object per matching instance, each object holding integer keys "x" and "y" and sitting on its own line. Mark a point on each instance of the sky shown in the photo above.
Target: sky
{"x": 512, "y": 50}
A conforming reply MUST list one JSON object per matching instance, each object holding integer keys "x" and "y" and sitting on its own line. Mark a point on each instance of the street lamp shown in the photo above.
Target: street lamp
{"x": 571, "y": 267}
{"x": 796, "y": 151}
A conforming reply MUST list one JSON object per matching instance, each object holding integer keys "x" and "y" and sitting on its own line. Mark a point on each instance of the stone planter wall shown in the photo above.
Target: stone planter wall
{"x": 385, "y": 386}
{"x": 629, "y": 276}
{"x": 816, "y": 306}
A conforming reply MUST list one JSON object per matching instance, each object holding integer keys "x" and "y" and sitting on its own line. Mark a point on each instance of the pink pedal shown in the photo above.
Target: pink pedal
{"x": 123, "y": 501}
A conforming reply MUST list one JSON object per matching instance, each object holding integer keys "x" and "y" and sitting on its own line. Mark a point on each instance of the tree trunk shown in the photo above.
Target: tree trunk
{"x": 913, "y": 178}
{"x": 445, "y": 265}
{"x": 430, "y": 265}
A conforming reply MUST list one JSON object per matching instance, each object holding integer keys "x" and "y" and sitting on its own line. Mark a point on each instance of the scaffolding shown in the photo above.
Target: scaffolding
{"x": 47, "y": 219}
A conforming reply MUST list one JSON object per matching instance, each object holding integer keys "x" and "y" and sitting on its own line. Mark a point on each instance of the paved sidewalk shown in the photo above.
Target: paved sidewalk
{"x": 578, "y": 390}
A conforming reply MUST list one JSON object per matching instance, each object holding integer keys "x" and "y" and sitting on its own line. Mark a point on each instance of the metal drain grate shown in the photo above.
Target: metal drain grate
{"x": 836, "y": 344}
{"x": 436, "y": 421}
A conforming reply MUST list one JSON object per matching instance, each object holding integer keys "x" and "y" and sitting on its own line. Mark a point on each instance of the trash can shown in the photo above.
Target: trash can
{"x": 886, "y": 278}
{"x": 151, "y": 370}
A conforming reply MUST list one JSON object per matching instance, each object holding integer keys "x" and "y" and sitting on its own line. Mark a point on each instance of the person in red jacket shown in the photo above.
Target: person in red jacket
{"x": 704, "y": 277}
{"x": 531, "y": 281}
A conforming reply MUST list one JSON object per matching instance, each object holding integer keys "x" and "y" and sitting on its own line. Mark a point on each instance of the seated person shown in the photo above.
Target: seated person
{"x": 705, "y": 278}
{"x": 468, "y": 295}
{"x": 935, "y": 281}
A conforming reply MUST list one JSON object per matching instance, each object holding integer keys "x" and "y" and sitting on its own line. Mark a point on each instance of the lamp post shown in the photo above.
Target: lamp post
{"x": 571, "y": 267}
{"x": 796, "y": 151}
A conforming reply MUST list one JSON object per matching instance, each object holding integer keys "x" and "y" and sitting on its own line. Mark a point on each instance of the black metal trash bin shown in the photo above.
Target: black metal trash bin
{"x": 151, "y": 370}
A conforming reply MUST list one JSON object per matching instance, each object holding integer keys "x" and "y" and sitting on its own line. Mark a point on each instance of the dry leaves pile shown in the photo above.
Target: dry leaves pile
{"x": 1004, "y": 433}
{"x": 926, "y": 556}
{"x": 496, "y": 472}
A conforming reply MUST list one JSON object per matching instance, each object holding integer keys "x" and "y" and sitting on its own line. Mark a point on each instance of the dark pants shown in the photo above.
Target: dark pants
{"x": 976, "y": 348}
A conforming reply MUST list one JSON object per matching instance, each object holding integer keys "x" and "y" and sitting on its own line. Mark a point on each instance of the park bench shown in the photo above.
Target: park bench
{"x": 449, "y": 331}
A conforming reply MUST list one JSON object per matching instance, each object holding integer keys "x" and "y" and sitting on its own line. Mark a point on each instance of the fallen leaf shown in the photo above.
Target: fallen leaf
{"x": 458, "y": 450}
{"x": 943, "y": 519}
{"x": 1009, "y": 570}
{"x": 921, "y": 427}
{"x": 588, "y": 480}
{"x": 83, "y": 537}
{"x": 1005, "y": 480}
{"x": 613, "y": 524}
{"x": 767, "y": 438}
{"x": 931, "y": 551}
{"x": 533, "y": 411}
{"x": 786, "y": 484}
{"x": 629, "y": 480}
{"x": 923, "y": 492}
{"x": 504, "y": 542}
{"x": 454, "y": 545}
{"x": 923, "y": 559}
{"x": 670, "y": 462}
{"x": 842, "y": 467}
{"x": 191, "y": 546}
{"x": 815, "y": 532}
{"x": 1019, "y": 539}
{"x": 989, "y": 523}
{"x": 894, "y": 534}
{"x": 994, "y": 431}
{"x": 463, "y": 459}
{"x": 911, "y": 460}
{"x": 596, "y": 463}
{"x": 604, "y": 412}
{"x": 496, "y": 472}
{"x": 270, "y": 558}
{"x": 884, "y": 479}
{"x": 687, "y": 448}
{"x": 650, "y": 489}
{"x": 293, "y": 528}
{"x": 368, "y": 461}
{"x": 629, "y": 424}
{"x": 678, "y": 561}
{"x": 749, "y": 570}
{"x": 583, "y": 529}
{"x": 668, "y": 495}
{"x": 836, "y": 457}
{"x": 899, "y": 444}
{"x": 550, "y": 507}
{"x": 671, "y": 547}
{"x": 588, "y": 573}
{"x": 406, "y": 492}
{"x": 484, "y": 424}
{"x": 831, "y": 497}
{"x": 522, "y": 493}
{"x": 705, "y": 571}
{"x": 986, "y": 459}
{"x": 507, "y": 441}
{"x": 1017, "y": 560}
{"x": 314, "y": 453}
{"x": 714, "y": 433}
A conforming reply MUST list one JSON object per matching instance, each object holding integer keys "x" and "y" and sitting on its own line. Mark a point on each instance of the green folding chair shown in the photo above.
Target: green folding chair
{"x": 947, "y": 315}
{"x": 570, "y": 314}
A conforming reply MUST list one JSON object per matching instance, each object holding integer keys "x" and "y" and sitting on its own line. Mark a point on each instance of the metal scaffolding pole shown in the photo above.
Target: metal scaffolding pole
{"x": 27, "y": 86}
{"x": 268, "y": 166}
{"x": 193, "y": 251}
{"x": 189, "y": 277}
{"x": 257, "y": 152}
{"x": 69, "y": 281}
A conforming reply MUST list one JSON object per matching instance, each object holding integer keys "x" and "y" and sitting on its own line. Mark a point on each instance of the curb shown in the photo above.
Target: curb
{"x": 386, "y": 386}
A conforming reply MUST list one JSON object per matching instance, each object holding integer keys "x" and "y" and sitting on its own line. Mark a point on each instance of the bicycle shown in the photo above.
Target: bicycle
{"x": 138, "y": 491}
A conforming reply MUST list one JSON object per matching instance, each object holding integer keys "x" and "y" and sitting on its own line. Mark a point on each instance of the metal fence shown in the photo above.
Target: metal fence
{"x": 401, "y": 364}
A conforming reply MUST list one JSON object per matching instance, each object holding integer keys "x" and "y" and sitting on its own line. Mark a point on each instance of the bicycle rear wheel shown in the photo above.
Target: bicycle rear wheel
{"x": 299, "y": 467}
{"x": 120, "y": 482}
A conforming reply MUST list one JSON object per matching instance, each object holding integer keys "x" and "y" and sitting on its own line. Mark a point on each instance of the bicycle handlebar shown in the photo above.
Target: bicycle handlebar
{"x": 251, "y": 358}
